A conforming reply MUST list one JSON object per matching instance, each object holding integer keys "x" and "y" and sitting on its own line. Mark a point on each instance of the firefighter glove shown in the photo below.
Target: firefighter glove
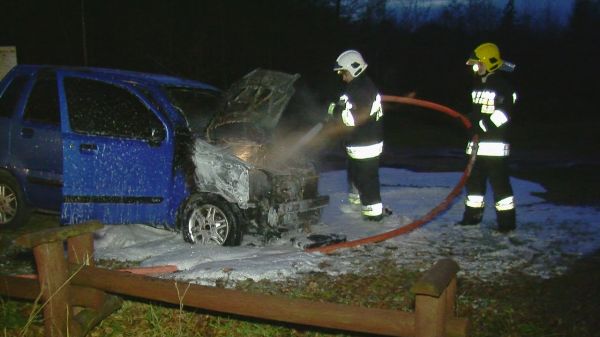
{"x": 333, "y": 110}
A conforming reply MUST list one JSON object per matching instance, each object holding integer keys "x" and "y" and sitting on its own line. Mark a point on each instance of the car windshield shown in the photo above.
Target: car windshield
{"x": 198, "y": 106}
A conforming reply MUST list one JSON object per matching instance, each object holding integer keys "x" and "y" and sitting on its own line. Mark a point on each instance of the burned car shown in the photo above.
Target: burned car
{"x": 127, "y": 147}
{"x": 236, "y": 157}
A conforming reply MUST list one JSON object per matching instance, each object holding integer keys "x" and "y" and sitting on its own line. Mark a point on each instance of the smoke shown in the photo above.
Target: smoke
{"x": 296, "y": 142}
{"x": 294, "y": 148}
{"x": 303, "y": 131}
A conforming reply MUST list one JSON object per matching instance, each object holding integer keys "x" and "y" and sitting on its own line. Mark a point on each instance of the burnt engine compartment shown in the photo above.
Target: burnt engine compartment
{"x": 293, "y": 179}
{"x": 288, "y": 181}
{"x": 245, "y": 128}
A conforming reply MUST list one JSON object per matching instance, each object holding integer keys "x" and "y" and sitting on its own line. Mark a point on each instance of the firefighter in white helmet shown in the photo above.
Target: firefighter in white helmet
{"x": 360, "y": 110}
{"x": 493, "y": 101}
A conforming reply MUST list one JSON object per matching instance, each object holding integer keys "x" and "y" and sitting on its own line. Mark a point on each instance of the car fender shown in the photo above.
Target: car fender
{"x": 219, "y": 172}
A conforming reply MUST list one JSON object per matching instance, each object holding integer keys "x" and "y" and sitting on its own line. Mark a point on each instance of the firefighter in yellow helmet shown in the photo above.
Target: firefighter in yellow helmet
{"x": 360, "y": 110}
{"x": 493, "y": 102}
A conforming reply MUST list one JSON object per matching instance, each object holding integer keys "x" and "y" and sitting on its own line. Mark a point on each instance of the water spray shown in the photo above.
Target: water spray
{"x": 302, "y": 142}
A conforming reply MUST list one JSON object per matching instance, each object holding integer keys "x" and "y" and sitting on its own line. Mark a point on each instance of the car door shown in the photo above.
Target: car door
{"x": 117, "y": 153}
{"x": 36, "y": 141}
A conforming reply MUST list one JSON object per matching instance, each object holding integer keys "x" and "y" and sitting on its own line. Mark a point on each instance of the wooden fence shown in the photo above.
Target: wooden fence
{"x": 79, "y": 295}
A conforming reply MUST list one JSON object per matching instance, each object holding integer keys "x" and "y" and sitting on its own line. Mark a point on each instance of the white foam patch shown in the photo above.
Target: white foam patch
{"x": 547, "y": 241}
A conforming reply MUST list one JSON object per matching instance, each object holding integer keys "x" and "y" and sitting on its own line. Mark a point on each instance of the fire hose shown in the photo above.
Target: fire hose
{"x": 442, "y": 206}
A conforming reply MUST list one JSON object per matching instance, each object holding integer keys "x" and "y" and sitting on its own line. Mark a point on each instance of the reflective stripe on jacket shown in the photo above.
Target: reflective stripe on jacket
{"x": 492, "y": 149}
{"x": 493, "y": 99}
{"x": 364, "y": 151}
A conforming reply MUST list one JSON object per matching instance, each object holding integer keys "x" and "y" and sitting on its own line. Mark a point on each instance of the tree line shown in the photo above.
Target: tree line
{"x": 409, "y": 49}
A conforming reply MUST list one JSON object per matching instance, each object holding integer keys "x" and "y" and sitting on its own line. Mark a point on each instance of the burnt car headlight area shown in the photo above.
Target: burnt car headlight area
{"x": 284, "y": 200}
{"x": 272, "y": 198}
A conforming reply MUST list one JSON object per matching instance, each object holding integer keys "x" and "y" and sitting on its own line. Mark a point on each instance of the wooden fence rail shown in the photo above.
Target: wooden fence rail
{"x": 74, "y": 287}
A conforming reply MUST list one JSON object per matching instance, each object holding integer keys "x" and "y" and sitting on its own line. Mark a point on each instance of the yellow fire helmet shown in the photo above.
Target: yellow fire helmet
{"x": 489, "y": 54}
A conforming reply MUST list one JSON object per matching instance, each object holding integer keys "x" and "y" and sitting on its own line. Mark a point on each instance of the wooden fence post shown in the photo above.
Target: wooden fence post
{"x": 435, "y": 295}
{"x": 53, "y": 275}
{"x": 80, "y": 251}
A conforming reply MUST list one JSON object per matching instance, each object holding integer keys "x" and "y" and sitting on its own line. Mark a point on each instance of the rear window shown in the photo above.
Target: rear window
{"x": 42, "y": 105}
{"x": 10, "y": 96}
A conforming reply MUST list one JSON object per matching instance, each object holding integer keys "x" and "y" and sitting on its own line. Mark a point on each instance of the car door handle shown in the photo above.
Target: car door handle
{"x": 88, "y": 147}
{"x": 27, "y": 132}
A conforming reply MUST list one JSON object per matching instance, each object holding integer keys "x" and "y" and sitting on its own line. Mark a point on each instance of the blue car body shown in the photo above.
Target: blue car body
{"x": 126, "y": 147}
{"x": 121, "y": 176}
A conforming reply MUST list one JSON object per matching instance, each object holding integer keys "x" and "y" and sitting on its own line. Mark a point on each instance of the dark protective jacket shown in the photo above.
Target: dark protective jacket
{"x": 493, "y": 104}
{"x": 363, "y": 102}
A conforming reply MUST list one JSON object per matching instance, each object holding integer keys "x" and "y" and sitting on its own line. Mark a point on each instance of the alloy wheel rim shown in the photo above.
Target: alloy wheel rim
{"x": 209, "y": 224}
{"x": 8, "y": 204}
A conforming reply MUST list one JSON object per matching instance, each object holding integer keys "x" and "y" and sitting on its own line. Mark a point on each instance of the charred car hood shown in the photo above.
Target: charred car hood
{"x": 251, "y": 110}
{"x": 253, "y": 106}
{"x": 238, "y": 140}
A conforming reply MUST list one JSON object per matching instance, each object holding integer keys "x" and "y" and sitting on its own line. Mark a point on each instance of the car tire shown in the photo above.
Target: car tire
{"x": 208, "y": 219}
{"x": 14, "y": 212}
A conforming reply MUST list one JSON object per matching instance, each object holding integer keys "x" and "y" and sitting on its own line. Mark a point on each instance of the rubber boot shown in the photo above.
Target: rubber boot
{"x": 368, "y": 213}
{"x": 506, "y": 220}
{"x": 472, "y": 216}
{"x": 354, "y": 199}
{"x": 375, "y": 218}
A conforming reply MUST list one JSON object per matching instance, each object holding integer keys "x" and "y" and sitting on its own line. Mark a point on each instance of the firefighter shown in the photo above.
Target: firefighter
{"x": 362, "y": 116}
{"x": 493, "y": 102}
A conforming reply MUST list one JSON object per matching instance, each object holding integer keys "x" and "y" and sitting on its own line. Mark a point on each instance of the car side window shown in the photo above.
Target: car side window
{"x": 42, "y": 105}
{"x": 10, "y": 96}
{"x": 101, "y": 108}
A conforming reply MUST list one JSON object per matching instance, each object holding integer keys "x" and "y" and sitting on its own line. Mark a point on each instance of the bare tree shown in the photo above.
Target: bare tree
{"x": 453, "y": 15}
{"x": 585, "y": 17}
{"x": 375, "y": 11}
{"x": 507, "y": 24}
{"x": 481, "y": 16}
{"x": 410, "y": 14}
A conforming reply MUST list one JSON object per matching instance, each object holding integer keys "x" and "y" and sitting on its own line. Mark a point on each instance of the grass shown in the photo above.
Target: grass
{"x": 372, "y": 289}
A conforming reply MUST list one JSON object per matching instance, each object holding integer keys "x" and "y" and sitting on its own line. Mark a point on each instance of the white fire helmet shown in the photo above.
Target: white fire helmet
{"x": 352, "y": 61}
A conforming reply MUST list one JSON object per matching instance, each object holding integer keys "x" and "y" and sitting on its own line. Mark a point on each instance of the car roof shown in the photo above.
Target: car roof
{"x": 127, "y": 75}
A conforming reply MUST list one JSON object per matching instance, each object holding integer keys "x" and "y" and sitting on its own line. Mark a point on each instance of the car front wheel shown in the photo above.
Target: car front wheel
{"x": 208, "y": 219}
{"x": 13, "y": 210}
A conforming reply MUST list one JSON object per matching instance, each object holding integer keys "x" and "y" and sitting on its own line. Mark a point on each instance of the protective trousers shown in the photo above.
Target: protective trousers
{"x": 495, "y": 170}
{"x": 363, "y": 174}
